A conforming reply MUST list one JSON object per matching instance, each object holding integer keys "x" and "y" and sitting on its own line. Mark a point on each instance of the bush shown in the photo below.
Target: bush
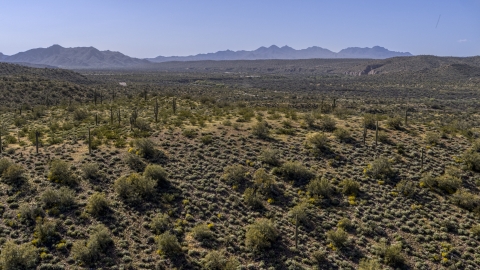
{"x": 428, "y": 181}
{"x": 406, "y": 188}
{"x": 134, "y": 162}
{"x": 343, "y": 135}
{"x": 146, "y": 148}
{"x": 264, "y": 182}
{"x": 261, "y": 130}
{"x": 270, "y": 157}
{"x": 13, "y": 256}
{"x": 97, "y": 204}
{"x": 383, "y": 137}
{"x": 472, "y": 160}
{"x": 319, "y": 257}
{"x": 299, "y": 212}
{"x": 394, "y": 122}
{"x": 134, "y": 187}
{"x": 432, "y": 138}
{"x": 168, "y": 245}
{"x": 156, "y": 172}
{"x": 338, "y": 238}
{"x": 29, "y": 213}
{"x": 475, "y": 230}
{"x": 235, "y": 174}
{"x": 261, "y": 234}
{"x": 160, "y": 223}
{"x": 252, "y": 198}
{"x": 59, "y": 199}
{"x": 379, "y": 168}
{"x": 369, "y": 121}
{"x": 449, "y": 182}
{"x": 319, "y": 142}
{"x": 214, "y": 260}
{"x": 90, "y": 171}
{"x": 369, "y": 264}
{"x": 350, "y": 187}
{"x": 80, "y": 114}
{"x": 90, "y": 251}
{"x": 327, "y": 123}
{"x": 320, "y": 187}
{"x": 46, "y": 232}
{"x": 309, "y": 119}
{"x": 14, "y": 174}
{"x": 60, "y": 173}
{"x": 295, "y": 171}
{"x": 202, "y": 232}
{"x": 4, "y": 164}
{"x": 465, "y": 199}
{"x": 207, "y": 139}
{"x": 391, "y": 254}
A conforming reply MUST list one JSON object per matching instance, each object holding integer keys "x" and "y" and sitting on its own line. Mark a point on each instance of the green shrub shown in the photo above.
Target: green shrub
{"x": 345, "y": 223}
{"x": 156, "y": 172}
{"x": 428, "y": 181}
{"x": 327, "y": 123}
{"x": 319, "y": 142}
{"x": 168, "y": 245}
{"x": 383, "y": 137}
{"x": 476, "y": 145}
{"x": 80, "y": 114}
{"x": 270, "y": 157}
{"x": 207, "y": 139}
{"x": 160, "y": 223}
{"x": 309, "y": 119}
{"x": 264, "y": 182}
{"x": 406, "y": 188}
{"x": 214, "y": 260}
{"x": 4, "y": 164}
{"x": 475, "y": 230}
{"x": 320, "y": 187}
{"x": 60, "y": 199}
{"x": 14, "y": 174}
{"x": 235, "y": 174}
{"x": 343, "y": 135}
{"x": 189, "y": 133}
{"x": 46, "y": 232}
{"x": 252, "y": 198}
{"x": 379, "y": 168}
{"x": 91, "y": 171}
{"x": 465, "y": 199}
{"x": 202, "y": 232}
{"x": 29, "y": 213}
{"x": 97, "y": 204}
{"x": 295, "y": 171}
{"x": 338, "y": 238}
{"x": 432, "y": 138}
{"x": 299, "y": 212}
{"x": 98, "y": 244}
{"x": 394, "y": 122}
{"x": 260, "y": 235}
{"x": 146, "y": 148}
{"x": 369, "y": 264}
{"x": 369, "y": 121}
{"x": 449, "y": 182}
{"x": 13, "y": 256}
{"x": 261, "y": 130}
{"x": 60, "y": 173}
{"x": 350, "y": 187}
{"x": 134, "y": 187}
{"x": 134, "y": 162}
{"x": 391, "y": 254}
{"x": 319, "y": 257}
{"x": 472, "y": 160}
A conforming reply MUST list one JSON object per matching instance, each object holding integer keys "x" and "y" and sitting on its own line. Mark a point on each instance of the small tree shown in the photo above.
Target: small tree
{"x": 261, "y": 234}
{"x": 15, "y": 256}
{"x": 97, "y": 204}
{"x": 168, "y": 245}
{"x": 261, "y": 130}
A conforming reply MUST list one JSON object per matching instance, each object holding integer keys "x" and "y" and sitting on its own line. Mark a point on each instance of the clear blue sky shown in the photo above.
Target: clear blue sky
{"x": 146, "y": 28}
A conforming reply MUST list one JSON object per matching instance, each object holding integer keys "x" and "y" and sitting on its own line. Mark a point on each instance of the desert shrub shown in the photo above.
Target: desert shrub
{"x": 309, "y": 119}
{"x": 46, "y": 232}
{"x": 345, "y": 223}
{"x": 90, "y": 251}
{"x": 449, "y": 182}
{"x": 60, "y": 173}
{"x": 134, "y": 162}
{"x": 319, "y": 257}
{"x": 202, "y": 232}
{"x": 156, "y": 172}
{"x": 299, "y": 212}
{"x": 320, "y": 186}
{"x": 189, "y": 133}
{"x": 97, "y": 204}
{"x": 465, "y": 199}
{"x": 475, "y": 230}
{"x": 160, "y": 223}
{"x": 319, "y": 142}
{"x": 472, "y": 160}
{"x": 13, "y": 256}
{"x": 369, "y": 121}
{"x": 394, "y": 122}
{"x": 406, "y": 188}
{"x": 29, "y": 213}
{"x": 327, "y": 123}
{"x": 260, "y": 235}
{"x": 476, "y": 145}
{"x": 90, "y": 171}
{"x": 134, "y": 187}
{"x": 14, "y": 174}
{"x": 294, "y": 171}
{"x": 428, "y": 180}
{"x": 342, "y": 135}
{"x": 350, "y": 187}
{"x": 369, "y": 264}
{"x": 168, "y": 245}
{"x": 60, "y": 199}
{"x": 80, "y": 114}
{"x": 261, "y": 130}
{"x": 146, "y": 148}
{"x": 235, "y": 174}
{"x": 379, "y": 168}
{"x": 270, "y": 157}
{"x": 252, "y": 198}
{"x": 264, "y": 182}
{"x": 432, "y": 138}
{"x": 214, "y": 260}
{"x": 383, "y": 137}
{"x": 142, "y": 125}
{"x": 4, "y": 164}
{"x": 391, "y": 254}
{"x": 207, "y": 139}
{"x": 338, "y": 238}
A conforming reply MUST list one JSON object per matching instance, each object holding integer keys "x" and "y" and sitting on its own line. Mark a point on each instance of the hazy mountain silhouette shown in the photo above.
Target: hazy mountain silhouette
{"x": 285, "y": 52}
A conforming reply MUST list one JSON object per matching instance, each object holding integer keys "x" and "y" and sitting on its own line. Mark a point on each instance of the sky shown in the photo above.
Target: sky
{"x": 147, "y": 28}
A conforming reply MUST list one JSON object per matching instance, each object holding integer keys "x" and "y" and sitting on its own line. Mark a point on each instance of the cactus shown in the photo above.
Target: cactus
{"x": 155, "y": 110}
{"x": 174, "y": 105}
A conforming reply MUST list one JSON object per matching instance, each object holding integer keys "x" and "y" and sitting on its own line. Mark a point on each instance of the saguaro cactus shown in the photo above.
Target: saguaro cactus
{"x": 155, "y": 110}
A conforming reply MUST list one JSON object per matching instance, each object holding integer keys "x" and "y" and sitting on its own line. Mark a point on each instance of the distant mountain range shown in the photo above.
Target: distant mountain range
{"x": 285, "y": 52}
{"x": 92, "y": 58}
